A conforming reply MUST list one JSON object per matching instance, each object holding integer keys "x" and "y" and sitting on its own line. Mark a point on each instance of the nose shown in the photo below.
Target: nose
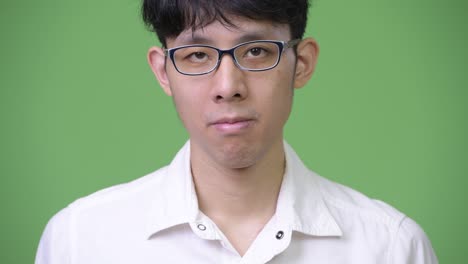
{"x": 228, "y": 82}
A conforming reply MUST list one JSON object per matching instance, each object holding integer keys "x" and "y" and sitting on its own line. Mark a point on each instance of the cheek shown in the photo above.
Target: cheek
{"x": 276, "y": 86}
{"x": 283, "y": 93}
{"x": 273, "y": 95}
{"x": 188, "y": 102}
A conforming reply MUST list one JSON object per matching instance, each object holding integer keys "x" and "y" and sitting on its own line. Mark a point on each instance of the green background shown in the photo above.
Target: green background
{"x": 385, "y": 113}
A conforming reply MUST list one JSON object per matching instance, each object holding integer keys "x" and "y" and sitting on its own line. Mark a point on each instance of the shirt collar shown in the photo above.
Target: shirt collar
{"x": 300, "y": 197}
{"x": 176, "y": 201}
{"x": 300, "y": 203}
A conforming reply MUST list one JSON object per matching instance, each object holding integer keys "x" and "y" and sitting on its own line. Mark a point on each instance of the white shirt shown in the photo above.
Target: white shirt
{"x": 156, "y": 219}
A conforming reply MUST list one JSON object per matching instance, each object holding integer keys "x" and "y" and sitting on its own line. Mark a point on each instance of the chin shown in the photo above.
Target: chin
{"x": 238, "y": 164}
{"x": 236, "y": 156}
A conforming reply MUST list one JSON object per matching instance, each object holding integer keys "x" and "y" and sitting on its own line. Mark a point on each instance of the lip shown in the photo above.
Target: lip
{"x": 232, "y": 125}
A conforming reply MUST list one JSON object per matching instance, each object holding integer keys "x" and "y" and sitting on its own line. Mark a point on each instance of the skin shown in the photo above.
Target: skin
{"x": 235, "y": 120}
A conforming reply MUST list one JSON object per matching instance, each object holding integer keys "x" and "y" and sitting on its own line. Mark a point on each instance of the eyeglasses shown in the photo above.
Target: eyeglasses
{"x": 258, "y": 55}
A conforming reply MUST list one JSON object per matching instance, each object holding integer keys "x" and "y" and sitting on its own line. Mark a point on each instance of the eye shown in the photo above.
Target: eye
{"x": 197, "y": 56}
{"x": 256, "y": 51}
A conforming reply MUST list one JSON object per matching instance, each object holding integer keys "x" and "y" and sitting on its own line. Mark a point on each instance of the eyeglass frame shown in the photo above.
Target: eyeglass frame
{"x": 282, "y": 45}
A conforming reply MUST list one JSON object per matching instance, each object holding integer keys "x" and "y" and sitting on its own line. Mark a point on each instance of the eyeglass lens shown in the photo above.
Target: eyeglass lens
{"x": 249, "y": 56}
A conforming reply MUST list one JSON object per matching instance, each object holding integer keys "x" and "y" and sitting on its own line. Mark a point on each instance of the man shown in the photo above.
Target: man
{"x": 236, "y": 192}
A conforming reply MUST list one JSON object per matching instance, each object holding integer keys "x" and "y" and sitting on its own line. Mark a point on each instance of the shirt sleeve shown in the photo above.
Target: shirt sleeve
{"x": 54, "y": 246}
{"x": 411, "y": 245}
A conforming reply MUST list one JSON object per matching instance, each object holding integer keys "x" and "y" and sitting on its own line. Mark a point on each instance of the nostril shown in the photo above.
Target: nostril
{"x": 221, "y": 97}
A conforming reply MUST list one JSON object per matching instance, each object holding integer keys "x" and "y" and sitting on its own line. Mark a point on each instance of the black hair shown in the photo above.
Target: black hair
{"x": 168, "y": 18}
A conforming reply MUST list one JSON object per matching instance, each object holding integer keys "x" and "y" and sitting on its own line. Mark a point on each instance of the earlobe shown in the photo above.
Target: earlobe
{"x": 307, "y": 53}
{"x": 156, "y": 60}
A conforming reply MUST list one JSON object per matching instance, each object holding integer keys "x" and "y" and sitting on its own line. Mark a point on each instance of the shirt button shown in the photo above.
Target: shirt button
{"x": 279, "y": 235}
{"x": 201, "y": 227}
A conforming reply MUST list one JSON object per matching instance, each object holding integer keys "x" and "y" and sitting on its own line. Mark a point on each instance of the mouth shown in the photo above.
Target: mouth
{"x": 232, "y": 125}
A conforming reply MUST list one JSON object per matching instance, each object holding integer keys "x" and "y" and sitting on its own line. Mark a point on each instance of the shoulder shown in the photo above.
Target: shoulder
{"x": 345, "y": 200}
{"x": 377, "y": 221}
{"x": 120, "y": 195}
{"x": 133, "y": 198}
{"x": 102, "y": 211}
{"x": 411, "y": 245}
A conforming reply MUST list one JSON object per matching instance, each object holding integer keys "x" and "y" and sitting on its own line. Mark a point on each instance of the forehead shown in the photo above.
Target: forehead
{"x": 222, "y": 34}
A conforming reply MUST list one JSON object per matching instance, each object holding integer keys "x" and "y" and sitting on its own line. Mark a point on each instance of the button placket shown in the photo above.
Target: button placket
{"x": 201, "y": 227}
{"x": 279, "y": 235}
{"x": 282, "y": 238}
{"x": 273, "y": 240}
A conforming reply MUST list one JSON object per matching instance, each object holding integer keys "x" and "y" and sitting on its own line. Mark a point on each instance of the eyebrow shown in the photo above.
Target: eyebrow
{"x": 195, "y": 38}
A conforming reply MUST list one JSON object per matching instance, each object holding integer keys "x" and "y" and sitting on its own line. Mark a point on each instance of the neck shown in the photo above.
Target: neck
{"x": 239, "y": 195}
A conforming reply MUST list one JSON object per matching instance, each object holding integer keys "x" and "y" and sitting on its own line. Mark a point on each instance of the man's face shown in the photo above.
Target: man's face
{"x": 234, "y": 117}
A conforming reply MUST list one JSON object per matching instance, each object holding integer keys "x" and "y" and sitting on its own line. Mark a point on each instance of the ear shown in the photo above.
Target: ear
{"x": 157, "y": 62}
{"x": 307, "y": 53}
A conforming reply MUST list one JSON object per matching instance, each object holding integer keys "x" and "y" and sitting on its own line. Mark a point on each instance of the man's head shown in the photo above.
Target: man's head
{"x": 231, "y": 96}
{"x": 168, "y": 18}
